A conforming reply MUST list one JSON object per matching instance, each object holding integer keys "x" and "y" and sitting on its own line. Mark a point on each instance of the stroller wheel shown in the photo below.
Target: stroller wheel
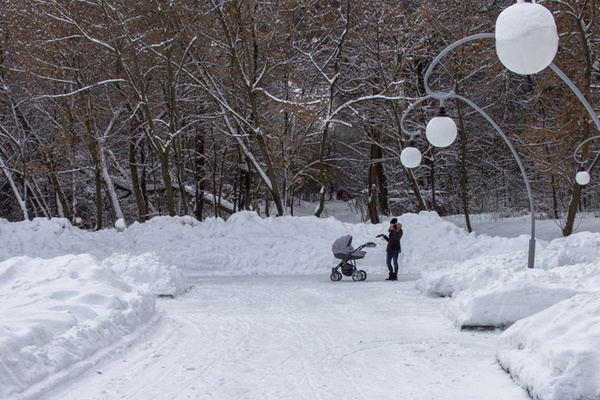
{"x": 335, "y": 276}
{"x": 363, "y": 275}
{"x": 357, "y": 276}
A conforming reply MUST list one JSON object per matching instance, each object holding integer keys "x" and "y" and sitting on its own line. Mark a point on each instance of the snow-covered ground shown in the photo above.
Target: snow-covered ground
{"x": 301, "y": 337}
{"x": 243, "y": 308}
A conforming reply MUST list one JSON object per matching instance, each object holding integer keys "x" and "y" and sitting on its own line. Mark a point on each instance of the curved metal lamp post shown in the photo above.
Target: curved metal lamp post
{"x": 526, "y": 43}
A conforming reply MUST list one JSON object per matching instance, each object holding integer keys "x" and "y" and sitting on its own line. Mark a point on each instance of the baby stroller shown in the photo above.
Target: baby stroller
{"x": 343, "y": 250}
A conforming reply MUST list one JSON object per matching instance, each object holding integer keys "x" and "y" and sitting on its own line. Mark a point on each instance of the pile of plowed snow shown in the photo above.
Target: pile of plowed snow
{"x": 249, "y": 244}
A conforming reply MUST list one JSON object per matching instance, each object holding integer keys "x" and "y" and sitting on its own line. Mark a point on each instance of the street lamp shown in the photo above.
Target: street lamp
{"x": 441, "y": 130}
{"x": 526, "y": 38}
{"x": 583, "y": 178}
{"x": 410, "y": 157}
{"x": 526, "y": 43}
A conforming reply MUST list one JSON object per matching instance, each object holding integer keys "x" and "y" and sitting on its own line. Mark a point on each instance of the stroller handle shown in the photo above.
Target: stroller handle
{"x": 368, "y": 244}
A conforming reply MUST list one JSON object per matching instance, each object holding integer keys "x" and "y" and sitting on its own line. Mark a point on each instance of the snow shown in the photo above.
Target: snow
{"x": 554, "y": 353}
{"x": 120, "y": 225}
{"x": 60, "y": 311}
{"x": 526, "y": 38}
{"x": 250, "y": 310}
{"x": 301, "y": 337}
{"x": 496, "y": 289}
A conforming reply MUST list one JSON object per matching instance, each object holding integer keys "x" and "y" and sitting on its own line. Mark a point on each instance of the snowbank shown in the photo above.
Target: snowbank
{"x": 555, "y": 354}
{"x": 552, "y": 347}
{"x": 501, "y": 305}
{"x": 60, "y": 311}
{"x": 498, "y": 290}
{"x": 149, "y": 271}
{"x": 246, "y": 243}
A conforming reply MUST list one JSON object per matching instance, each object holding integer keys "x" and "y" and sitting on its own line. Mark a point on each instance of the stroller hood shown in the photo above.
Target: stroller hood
{"x": 342, "y": 245}
{"x": 342, "y": 249}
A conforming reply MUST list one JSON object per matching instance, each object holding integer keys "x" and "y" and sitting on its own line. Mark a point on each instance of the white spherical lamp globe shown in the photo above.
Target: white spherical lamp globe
{"x": 410, "y": 157}
{"x": 441, "y": 131}
{"x": 583, "y": 178}
{"x": 526, "y": 38}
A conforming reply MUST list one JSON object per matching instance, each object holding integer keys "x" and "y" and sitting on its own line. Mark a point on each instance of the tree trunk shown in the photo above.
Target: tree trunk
{"x": 98, "y": 186}
{"x": 135, "y": 183}
{"x": 180, "y": 168}
{"x": 378, "y": 179}
{"x": 464, "y": 187}
{"x": 554, "y": 196}
{"x": 248, "y": 188}
{"x": 92, "y": 145}
{"x": 323, "y": 190}
{"x": 166, "y": 176}
{"x": 384, "y": 203}
{"x": 61, "y": 202}
{"x": 372, "y": 206}
{"x": 376, "y": 182}
{"x": 432, "y": 181}
{"x": 568, "y": 228}
{"x": 219, "y": 194}
{"x": 200, "y": 166}
{"x": 372, "y": 189}
{"x": 273, "y": 186}
{"x": 110, "y": 187}
{"x": 20, "y": 200}
{"x": 214, "y": 181}
{"x": 267, "y": 204}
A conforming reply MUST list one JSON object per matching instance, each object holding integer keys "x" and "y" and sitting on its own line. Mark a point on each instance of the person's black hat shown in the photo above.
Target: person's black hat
{"x": 394, "y": 221}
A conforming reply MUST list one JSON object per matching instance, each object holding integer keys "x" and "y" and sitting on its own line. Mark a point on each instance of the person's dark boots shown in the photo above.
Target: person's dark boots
{"x": 394, "y": 277}
{"x": 390, "y": 277}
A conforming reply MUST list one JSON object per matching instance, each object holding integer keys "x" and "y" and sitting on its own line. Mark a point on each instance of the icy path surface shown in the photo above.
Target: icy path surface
{"x": 301, "y": 337}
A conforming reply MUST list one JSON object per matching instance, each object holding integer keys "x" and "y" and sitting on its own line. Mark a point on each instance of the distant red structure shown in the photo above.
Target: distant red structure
{"x": 343, "y": 195}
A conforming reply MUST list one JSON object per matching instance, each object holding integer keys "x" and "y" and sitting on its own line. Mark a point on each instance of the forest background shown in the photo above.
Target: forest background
{"x": 131, "y": 109}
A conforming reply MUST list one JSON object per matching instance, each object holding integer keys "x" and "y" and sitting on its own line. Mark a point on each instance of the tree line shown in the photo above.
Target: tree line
{"x": 132, "y": 109}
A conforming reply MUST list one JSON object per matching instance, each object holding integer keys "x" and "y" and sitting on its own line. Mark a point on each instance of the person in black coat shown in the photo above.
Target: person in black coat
{"x": 393, "y": 248}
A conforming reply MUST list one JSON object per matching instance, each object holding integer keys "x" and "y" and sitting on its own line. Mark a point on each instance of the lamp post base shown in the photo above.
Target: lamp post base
{"x": 531, "y": 257}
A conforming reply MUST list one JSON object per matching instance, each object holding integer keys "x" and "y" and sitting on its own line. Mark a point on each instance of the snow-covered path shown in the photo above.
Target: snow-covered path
{"x": 300, "y": 337}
